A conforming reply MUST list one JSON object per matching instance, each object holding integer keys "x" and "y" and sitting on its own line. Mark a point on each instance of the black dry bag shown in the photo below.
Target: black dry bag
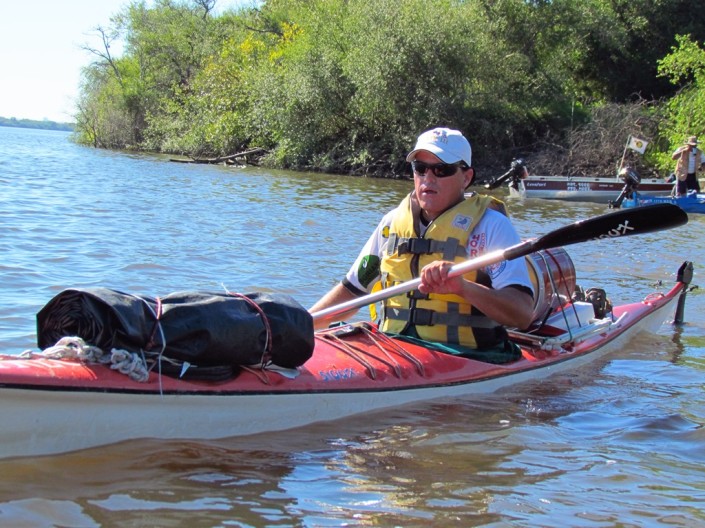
{"x": 203, "y": 328}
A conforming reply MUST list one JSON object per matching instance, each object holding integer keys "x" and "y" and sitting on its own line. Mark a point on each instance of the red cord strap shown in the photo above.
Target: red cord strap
{"x": 158, "y": 315}
{"x": 267, "y": 352}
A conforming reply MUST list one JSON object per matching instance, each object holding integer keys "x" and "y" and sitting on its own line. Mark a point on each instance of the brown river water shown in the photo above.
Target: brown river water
{"x": 619, "y": 442}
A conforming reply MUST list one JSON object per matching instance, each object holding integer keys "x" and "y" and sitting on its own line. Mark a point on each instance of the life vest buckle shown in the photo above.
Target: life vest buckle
{"x": 422, "y": 317}
{"x": 416, "y": 294}
{"x": 415, "y": 246}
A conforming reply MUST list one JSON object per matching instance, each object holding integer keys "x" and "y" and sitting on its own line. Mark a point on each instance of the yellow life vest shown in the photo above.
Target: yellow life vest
{"x": 441, "y": 318}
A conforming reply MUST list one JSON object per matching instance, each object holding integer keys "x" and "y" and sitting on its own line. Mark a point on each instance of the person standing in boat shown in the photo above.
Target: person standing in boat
{"x": 690, "y": 161}
{"x": 434, "y": 227}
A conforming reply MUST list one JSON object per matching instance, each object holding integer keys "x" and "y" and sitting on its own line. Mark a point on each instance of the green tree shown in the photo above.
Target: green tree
{"x": 684, "y": 114}
{"x": 346, "y": 85}
{"x": 102, "y": 120}
{"x": 611, "y": 48}
{"x": 165, "y": 47}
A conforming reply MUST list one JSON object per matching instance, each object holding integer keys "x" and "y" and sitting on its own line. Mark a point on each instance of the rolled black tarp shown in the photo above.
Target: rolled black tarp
{"x": 203, "y": 328}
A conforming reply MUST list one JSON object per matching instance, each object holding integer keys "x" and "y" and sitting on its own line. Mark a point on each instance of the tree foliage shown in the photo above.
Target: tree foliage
{"x": 346, "y": 85}
{"x": 685, "y": 112}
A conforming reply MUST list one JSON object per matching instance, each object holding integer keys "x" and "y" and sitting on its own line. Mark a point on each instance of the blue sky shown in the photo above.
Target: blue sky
{"x": 41, "y": 58}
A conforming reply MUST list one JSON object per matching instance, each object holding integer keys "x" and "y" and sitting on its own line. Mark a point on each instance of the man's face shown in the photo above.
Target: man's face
{"x": 436, "y": 194}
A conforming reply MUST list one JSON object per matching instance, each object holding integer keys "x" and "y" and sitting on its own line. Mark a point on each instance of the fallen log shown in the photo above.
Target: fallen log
{"x": 223, "y": 159}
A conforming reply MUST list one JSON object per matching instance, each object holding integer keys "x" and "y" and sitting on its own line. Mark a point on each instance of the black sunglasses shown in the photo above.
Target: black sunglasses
{"x": 439, "y": 170}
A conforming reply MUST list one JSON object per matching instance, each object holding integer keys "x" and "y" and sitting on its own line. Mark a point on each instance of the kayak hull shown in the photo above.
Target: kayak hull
{"x": 50, "y": 406}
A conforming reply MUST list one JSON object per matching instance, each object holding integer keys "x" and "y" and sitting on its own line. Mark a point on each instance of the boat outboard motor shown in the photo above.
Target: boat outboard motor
{"x": 517, "y": 172}
{"x": 631, "y": 182}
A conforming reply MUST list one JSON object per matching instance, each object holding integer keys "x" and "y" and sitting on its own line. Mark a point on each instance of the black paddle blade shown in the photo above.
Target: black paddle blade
{"x": 620, "y": 223}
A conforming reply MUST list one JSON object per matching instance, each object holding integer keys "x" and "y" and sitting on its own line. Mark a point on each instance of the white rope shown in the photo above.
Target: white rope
{"x": 130, "y": 364}
{"x": 73, "y": 347}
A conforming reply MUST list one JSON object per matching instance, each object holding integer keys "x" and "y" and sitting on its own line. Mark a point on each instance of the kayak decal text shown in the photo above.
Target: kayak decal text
{"x": 620, "y": 230}
{"x": 337, "y": 374}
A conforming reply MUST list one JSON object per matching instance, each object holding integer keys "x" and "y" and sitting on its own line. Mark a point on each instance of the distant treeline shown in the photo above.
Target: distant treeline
{"x": 346, "y": 85}
{"x": 31, "y": 123}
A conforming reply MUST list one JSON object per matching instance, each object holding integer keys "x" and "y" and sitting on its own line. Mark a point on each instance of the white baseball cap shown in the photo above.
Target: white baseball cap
{"x": 449, "y": 145}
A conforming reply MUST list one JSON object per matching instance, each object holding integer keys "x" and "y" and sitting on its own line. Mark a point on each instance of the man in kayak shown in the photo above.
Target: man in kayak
{"x": 690, "y": 162}
{"x": 434, "y": 227}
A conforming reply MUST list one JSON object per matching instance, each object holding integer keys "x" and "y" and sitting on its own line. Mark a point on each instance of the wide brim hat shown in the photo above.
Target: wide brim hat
{"x": 448, "y": 145}
{"x": 692, "y": 141}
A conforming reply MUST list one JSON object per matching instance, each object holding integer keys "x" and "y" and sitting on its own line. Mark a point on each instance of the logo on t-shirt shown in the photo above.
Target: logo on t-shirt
{"x": 368, "y": 270}
{"x": 496, "y": 269}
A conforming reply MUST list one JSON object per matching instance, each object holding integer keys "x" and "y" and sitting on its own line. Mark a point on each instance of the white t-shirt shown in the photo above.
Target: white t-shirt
{"x": 493, "y": 232}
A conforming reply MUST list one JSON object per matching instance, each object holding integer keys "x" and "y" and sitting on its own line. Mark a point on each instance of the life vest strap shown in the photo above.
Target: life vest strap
{"x": 426, "y": 317}
{"x": 450, "y": 248}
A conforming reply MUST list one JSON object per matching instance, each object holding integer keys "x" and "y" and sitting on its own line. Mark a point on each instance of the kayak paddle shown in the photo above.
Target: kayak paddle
{"x": 620, "y": 223}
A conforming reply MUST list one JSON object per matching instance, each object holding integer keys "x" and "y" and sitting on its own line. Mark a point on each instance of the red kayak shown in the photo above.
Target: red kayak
{"x": 56, "y": 405}
{"x": 50, "y": 405}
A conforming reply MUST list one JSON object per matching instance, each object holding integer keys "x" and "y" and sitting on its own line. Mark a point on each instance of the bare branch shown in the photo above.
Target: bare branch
{"x": 107, "y": 38}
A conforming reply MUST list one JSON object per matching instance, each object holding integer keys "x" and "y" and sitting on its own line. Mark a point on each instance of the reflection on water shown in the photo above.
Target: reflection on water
{"x": 616, "y": 443}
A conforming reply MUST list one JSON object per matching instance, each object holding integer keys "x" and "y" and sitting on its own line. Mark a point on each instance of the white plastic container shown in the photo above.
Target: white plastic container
{"x": 577, "y": 315}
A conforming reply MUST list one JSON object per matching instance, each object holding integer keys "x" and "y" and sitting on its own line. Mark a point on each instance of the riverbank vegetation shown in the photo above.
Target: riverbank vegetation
{"x": 345, "y": 86}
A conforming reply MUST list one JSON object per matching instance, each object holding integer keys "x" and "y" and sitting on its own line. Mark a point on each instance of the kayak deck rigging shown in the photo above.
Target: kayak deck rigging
{"x": 382, "y": 343}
